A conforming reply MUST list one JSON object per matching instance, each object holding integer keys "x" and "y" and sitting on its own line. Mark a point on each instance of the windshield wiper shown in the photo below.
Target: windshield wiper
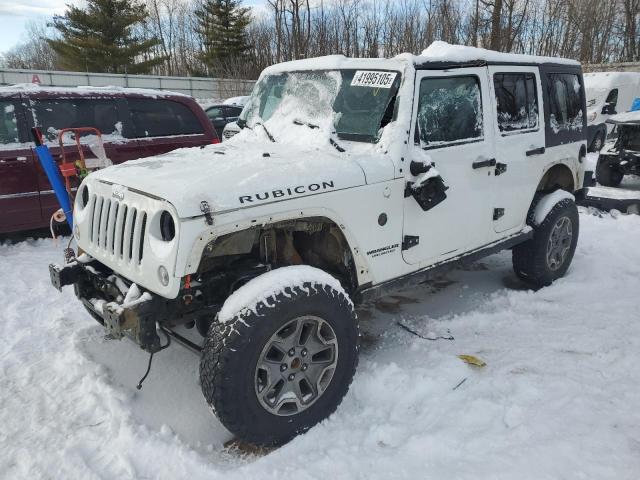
{"x": 266, "y": 131}
{"x": 335, "y": 144}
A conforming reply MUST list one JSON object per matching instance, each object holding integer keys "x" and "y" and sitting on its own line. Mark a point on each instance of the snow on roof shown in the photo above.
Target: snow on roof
{"x": 443, "y": 52}
{"x": 86, "y": 90}
{"x": 237, "y": 101}
{"x": 437, "y": 52}
{"x": 627, "y": 117}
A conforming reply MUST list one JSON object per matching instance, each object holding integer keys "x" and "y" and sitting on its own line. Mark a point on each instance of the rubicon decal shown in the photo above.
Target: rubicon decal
{"x": 287, "y": 192}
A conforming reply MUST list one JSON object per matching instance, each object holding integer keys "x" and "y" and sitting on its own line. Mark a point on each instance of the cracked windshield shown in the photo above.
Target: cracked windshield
{"x": 346, "y": 104}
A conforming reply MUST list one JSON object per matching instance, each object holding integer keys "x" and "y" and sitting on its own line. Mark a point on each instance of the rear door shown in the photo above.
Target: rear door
{"x": 452, "y": 127}
{"x": 162, "y": 125}
{"x": 520, "y": 142}
{"x": 19, "y": 194}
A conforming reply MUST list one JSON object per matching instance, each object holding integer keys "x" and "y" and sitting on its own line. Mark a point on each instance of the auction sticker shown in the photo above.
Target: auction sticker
{"x": 373, "y": 79}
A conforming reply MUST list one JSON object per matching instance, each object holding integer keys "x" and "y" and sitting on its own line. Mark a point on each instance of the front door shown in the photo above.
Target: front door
{"x": 452, "y": 128}
{"x": 520, "y": 143}
{"x": 19, "y": 195}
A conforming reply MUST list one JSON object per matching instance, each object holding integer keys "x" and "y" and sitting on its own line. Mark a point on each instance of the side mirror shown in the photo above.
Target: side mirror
{"x": 241, "y": 122}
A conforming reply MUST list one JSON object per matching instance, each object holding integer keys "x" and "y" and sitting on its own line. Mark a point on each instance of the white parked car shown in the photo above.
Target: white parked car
{"x": 230, "y": 129}
{"x": 351, "y": 178}
{"x": 608, "y": 93}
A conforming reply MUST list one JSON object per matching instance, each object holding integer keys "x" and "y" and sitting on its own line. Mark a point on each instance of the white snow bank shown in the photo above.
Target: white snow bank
{"x": 443, "y": 51}
{"x": 546, "y": 204}
{"x": 558, "y": 398}
{"x": 267, "y": 286}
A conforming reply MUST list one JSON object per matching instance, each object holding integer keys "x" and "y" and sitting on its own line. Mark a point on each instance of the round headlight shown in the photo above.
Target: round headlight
{"x": 163, "y": 276}
{"x": 167, "y": 227}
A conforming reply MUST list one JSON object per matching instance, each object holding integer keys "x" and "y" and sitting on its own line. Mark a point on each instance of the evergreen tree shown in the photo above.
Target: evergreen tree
{"x": 101, "y": 38}
{"x": 222, "y": 25}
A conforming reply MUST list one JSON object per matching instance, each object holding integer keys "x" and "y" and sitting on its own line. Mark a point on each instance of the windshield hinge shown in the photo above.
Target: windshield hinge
{"x": 410, "y": 241}
{"x": 206, "y": 210}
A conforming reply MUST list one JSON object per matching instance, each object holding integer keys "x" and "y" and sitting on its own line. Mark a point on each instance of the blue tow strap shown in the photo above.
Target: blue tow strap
{"x": 55, "y": 178}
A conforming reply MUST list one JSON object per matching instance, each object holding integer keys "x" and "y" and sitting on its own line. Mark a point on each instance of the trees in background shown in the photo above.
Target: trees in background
{"x": 222, "y": 26}
{"x": 221, "y": 37}
{"x": 101, "y": 38}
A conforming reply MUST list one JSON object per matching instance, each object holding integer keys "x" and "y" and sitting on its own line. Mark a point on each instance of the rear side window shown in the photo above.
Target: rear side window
{"x": 449, "y": 111}
{"x": 565, "y": 103}
{"x": 162, "y": 118}
{"x": 52, "y": 115}
{"x": 215, "y": 113}
{"x": 8, "y": 123}
{"x": 517, "y": 101}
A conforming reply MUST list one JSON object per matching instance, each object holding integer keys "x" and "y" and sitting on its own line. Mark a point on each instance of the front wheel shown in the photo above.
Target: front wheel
{"x": 276, "y": 368}
{"x": 547, "y": 256}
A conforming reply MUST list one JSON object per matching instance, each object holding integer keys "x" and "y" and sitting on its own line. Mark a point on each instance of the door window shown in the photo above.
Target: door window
{"x": 517, "y": 101}
{"x": 565, "y": 103}
{"x": 52, "y": 115}
{"x": 162, "y": 118}
{"x": 449, "y": 111}
{"x": 8, "y": 123}
{"x": 215, "y": 113}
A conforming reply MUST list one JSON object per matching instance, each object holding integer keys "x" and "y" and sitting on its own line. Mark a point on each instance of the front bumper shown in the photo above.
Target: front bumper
{"x": 99, "y": 294}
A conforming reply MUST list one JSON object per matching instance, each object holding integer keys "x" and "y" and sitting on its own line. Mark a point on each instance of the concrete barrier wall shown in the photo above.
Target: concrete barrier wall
{"x": 197, "y": 87}
{"x": 612, "y": 67}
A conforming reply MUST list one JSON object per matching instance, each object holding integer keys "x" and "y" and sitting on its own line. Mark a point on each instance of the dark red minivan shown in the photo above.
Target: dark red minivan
{"x": 134, "y": 123}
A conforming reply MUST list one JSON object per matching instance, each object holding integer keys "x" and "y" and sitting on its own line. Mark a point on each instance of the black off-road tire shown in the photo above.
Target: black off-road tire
{"x": 530, "y": 259}
{"x": 608, "y": 173}
{"x": 233, "y": 349}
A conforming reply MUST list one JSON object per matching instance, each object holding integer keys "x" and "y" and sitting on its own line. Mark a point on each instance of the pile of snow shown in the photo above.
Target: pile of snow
{"x": 546, "y": 204}
{"x": 558, "y": 398}
{"x": 266, "y": 287}
{"x": 440, "y": 51}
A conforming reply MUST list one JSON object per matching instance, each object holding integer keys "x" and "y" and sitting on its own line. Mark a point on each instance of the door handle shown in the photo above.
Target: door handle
{"x": 535, "y": 151}
{"x": 484, "y": 163}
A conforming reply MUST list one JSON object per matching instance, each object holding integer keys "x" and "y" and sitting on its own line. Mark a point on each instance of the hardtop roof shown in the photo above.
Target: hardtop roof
{"x": 438, "y": 55}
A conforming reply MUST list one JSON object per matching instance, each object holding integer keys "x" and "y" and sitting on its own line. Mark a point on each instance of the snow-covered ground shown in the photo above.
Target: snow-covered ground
{"x": 558, "y": 398}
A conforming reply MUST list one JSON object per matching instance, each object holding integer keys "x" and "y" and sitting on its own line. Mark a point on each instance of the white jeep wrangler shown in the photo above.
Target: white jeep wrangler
{"x": 350, "y": 178}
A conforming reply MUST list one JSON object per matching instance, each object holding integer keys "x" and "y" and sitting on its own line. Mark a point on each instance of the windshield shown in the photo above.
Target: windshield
{"x": 352, "y": 104}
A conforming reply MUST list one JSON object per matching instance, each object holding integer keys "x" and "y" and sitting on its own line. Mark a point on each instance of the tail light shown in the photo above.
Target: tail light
{"x": 215, "y": 140}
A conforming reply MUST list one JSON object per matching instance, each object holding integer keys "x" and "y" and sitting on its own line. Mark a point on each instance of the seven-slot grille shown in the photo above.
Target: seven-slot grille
{"x": 117, "y": 229}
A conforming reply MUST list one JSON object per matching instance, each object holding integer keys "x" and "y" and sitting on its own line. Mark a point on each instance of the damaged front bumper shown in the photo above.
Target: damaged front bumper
{"x": 102, "y": 297}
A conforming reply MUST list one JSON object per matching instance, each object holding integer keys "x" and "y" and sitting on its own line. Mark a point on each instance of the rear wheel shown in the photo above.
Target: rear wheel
{"x": 608, "y": 173}
{"x": 276, "y": 369}
{"x": 547, "y": 256}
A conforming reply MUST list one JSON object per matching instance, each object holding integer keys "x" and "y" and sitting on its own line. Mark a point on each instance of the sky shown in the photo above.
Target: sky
{"x": 15, "y": 14}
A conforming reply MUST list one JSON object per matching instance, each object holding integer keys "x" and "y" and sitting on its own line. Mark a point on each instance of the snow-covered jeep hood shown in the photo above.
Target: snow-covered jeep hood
{"x": 233, "y": 176}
